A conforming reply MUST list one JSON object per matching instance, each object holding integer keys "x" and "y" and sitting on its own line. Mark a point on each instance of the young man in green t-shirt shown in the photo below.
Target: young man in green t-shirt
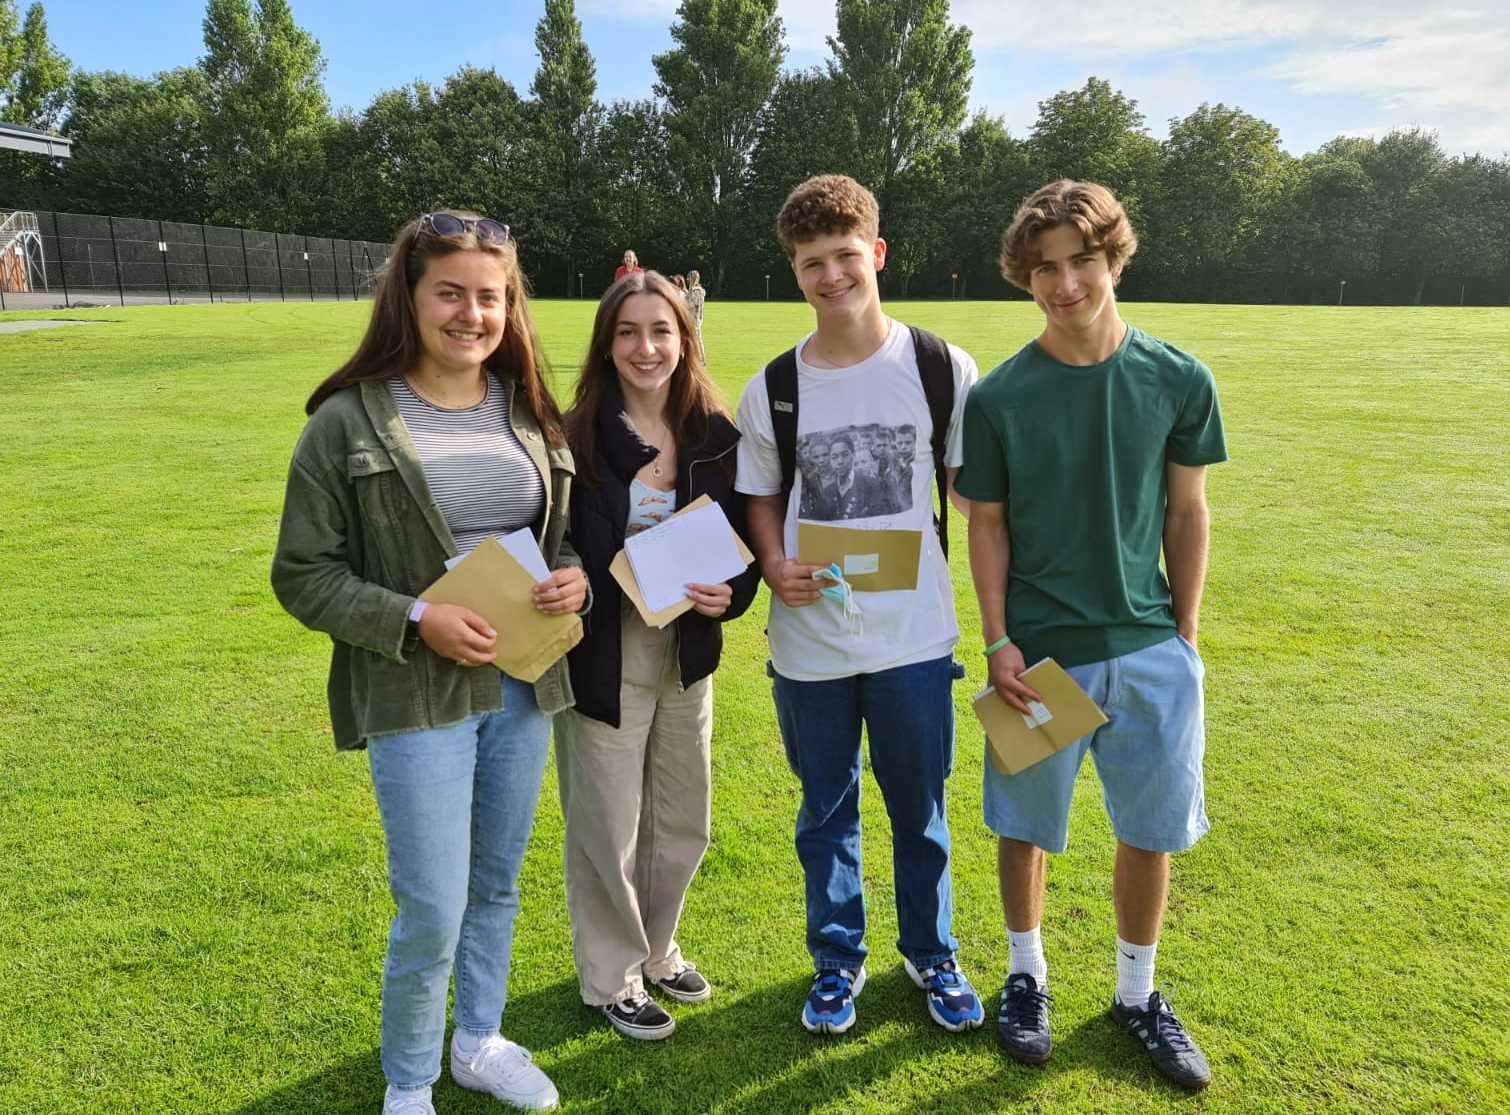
{"x": 1085, "y": 456}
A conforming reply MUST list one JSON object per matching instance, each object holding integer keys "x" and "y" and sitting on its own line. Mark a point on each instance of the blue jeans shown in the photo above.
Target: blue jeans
{"x": 457, "y": 806}
{"x": 908, "y": 713}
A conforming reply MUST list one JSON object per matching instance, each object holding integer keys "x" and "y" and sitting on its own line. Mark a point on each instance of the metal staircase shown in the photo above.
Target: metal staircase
{"x": 23, "y": 259}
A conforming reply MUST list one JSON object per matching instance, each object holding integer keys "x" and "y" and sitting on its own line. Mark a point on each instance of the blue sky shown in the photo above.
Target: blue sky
{"x": 1313, "y": 69}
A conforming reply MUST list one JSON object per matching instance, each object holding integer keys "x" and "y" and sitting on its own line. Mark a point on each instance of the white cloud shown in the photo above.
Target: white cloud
{"x": 1446, "y": 70}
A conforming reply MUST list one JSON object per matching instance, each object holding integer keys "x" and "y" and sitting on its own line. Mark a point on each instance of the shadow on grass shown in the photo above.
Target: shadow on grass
{"x": 743, "y": 1056}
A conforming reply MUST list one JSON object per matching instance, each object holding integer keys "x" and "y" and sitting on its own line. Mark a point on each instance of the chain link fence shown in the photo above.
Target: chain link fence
{"x": 76, "y": 259}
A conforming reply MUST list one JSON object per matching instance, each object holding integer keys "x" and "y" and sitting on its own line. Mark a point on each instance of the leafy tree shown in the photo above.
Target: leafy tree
{"x": 716, "y": 82}
{"x": 566, "y": 117}
{"x": 138, "y": 146}
{"x": 1221, "y": 167}
{"x": 265, "y": 111}
{"x": 801, "y": 133}
{"x": 33, "y": 75}
{"x": 986, "y": 176}
{"x": 903, "y": 73}
{"x": 1096, "y": 134}
{"x": 1406, "y": 169}
{"x": 640, "y": 204}
{"x": 458, "y": 147}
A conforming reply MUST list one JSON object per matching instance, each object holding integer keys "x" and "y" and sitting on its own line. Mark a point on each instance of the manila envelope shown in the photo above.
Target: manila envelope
{"x": 498, "y": 588}
{"x": 623, "y": 572}
{"x": 871, "y": 560}
{"x": 1063, "y": 714}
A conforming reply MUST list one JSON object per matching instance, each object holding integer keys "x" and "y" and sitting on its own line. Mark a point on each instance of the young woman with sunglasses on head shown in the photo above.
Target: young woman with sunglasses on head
{"x": 650, "y": 436}
{"x": 437, "y": 433}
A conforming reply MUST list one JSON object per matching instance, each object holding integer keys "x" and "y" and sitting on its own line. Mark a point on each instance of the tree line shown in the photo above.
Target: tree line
{"x": 692, "y": 175}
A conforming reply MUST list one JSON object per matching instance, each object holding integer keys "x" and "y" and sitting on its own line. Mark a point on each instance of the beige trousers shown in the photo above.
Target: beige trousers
{"x": 638, "y": 804}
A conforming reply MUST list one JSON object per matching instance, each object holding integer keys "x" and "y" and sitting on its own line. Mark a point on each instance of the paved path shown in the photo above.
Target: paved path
{"x": 28, "y": 326}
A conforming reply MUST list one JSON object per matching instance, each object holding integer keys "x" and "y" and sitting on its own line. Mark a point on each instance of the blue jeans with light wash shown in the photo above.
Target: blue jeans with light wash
{"x": 908, "y": 713}
{"x": 457, "y": 806}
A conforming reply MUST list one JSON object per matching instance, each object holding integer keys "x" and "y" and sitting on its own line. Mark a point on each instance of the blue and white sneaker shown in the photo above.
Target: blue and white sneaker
{"x": 830, "y": 1006}
{"x": 952, "y": 1002}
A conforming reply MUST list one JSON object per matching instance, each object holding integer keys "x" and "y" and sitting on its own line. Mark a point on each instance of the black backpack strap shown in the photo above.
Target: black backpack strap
{"x": 781, "y": 392}
{"x": 936, "y": 370}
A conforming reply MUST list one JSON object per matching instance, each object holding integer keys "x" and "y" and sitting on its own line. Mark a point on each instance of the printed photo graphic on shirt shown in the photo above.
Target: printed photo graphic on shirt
{"x": 856, "y": 472}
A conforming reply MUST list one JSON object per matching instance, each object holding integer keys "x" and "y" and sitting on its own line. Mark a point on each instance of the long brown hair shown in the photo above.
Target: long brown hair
{"x": 693, "y": 397}
{"x": 392, "y": 347}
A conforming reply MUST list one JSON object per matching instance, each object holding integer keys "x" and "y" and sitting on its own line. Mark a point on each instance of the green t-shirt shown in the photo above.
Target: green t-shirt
{"x": 1078, "y": 455}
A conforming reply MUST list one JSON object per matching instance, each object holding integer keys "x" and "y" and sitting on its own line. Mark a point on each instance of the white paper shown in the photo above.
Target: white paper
{"x": 1040, "y": 714}
{"x": 522, "y": 548}
{"x": 696, "y": 547}
{"x": 520, "y": 545}
{"x": 857, "y": 565}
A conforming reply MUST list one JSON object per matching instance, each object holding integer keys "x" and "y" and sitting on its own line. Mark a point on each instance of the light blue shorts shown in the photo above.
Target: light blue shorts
{"x": 1148, "y": 757}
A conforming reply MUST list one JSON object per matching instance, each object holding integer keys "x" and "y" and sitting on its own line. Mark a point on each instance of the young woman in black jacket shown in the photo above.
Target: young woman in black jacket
{"x": 649, "y": 436}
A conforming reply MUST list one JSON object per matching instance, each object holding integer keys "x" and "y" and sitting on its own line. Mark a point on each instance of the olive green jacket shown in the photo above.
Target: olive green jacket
{"x": 362, "y": 537}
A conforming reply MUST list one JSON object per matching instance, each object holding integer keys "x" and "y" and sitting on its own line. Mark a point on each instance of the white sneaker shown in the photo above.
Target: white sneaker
{"x": 410, "y": 1101}
{"x": 504, "y": 1071}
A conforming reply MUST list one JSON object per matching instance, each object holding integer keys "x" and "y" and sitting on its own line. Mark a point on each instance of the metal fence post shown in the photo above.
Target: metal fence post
{"x": 57, "y": 238}
{"x": 278, "y": 255}
{"x": 309, "y": 275}
{"x": 162, "y": 249}
{"x": 208, "y": 278}
{"x": 120, "y": 282}
{"x": 335, "y": 271}
{"x": 351, "y": 261}
{"x": 246, "y": 268}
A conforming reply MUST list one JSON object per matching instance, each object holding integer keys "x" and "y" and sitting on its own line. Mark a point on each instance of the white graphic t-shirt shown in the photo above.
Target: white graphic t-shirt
{"x": 864, "y": 461}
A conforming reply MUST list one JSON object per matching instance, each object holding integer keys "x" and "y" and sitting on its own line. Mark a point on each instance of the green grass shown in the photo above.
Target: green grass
{"x": 192, "y": 897}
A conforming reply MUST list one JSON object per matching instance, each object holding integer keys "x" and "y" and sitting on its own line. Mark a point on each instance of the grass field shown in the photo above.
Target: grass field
{"x": 192, "y": 898}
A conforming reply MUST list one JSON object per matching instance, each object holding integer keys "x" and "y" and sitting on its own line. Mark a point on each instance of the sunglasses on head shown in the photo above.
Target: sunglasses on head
{"x": 446, "y": 226}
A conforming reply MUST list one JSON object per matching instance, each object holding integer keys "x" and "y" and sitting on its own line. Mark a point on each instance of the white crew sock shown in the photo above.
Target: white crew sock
{"x": 1027, "y": 956}
{"x": 1135, "y": 973}
{"x": 468, "y": 1043}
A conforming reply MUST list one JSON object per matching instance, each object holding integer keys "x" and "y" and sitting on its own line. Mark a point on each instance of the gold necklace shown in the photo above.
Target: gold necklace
{"x": 413, "y": 386}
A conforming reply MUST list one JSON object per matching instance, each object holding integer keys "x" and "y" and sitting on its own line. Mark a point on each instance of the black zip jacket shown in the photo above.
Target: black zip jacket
{"x": 599, "y": 511}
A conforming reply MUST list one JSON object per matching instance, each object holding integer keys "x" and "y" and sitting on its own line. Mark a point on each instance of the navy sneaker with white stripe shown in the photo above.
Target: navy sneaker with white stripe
{"x": 952, "y": 1002}
{"x": 1165, "y": 1040}
{"x": 830, "y": 1006}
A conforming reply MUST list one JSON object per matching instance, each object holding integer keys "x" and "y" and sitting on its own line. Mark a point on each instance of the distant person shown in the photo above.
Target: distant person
{"x": 681, "y": 285}
{"x": 892, "y": 676}
{"x": 634, "y": 757}
{"x": 1085, "y": 458}
{"x": 630, "y": 265}
{"x": 696, "y": 296}
{"x": 439, "y": 432}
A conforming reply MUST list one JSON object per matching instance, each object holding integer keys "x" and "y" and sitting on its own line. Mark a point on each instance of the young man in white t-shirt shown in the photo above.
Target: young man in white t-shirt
{"x": 890, "y": 669}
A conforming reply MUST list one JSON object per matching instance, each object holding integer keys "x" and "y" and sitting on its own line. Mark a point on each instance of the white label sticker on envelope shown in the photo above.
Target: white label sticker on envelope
{"x": 1040, "y": 715}
{"x": 857, "y": 565}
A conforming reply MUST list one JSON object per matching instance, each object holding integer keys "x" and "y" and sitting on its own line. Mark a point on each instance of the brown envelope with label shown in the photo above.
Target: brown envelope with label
{"x": 623, "y": 573}
{"x": 1014, "y": 746}
{"x": 500, "y": 590}
{"x": 871, "y": 560}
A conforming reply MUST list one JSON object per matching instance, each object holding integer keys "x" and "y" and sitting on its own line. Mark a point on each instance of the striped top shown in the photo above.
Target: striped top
{"x": 480, "y": 474}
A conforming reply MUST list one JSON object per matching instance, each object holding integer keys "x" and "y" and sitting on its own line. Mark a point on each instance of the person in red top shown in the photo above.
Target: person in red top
{"x": 631, "y": 263}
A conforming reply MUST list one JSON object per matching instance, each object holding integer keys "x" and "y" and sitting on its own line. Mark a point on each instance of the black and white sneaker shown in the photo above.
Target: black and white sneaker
{"x": 686, "y": 986}
{"x": 1022, "y": 1024}
{"x": 639, "y": 1016}
{"x": 1167, "y": 1043}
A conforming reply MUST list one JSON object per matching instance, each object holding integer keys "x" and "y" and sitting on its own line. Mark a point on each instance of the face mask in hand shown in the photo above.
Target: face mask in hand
{"x": 842, "y": 593}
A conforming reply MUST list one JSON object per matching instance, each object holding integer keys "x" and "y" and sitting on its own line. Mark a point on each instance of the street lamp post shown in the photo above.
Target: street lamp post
{"x": 581, "y": 287}
{"x": 953, "y": 280}
{"x": 1341, "y": 286}
{"x": 767, "y": 288}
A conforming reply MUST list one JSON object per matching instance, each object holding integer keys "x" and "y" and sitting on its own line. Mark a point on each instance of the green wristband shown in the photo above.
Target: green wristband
{"x": 1004, "y": 641}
